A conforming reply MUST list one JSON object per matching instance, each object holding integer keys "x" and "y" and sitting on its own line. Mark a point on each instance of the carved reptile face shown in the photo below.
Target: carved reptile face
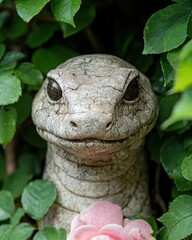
{"x": 94, "y": 101}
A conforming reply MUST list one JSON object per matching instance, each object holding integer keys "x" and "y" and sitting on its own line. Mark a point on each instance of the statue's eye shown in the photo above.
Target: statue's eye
{"x": 53, "y": 90}
{"x": 132, "y": 91}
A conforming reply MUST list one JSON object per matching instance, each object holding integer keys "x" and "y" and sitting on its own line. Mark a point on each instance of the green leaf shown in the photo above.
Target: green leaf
{"x": 2, "y": 168}
{"x": 28, "y": 162}
{"x": 8, "y": 118}
{"x": 173, "y": 57}
{"x": 65, "y": 10}
{"x": 29, "y": 74}
{"x": 17, "y": 216}
{"x": 3, "y": 18}
{"x": 16, "y": 182}
{"x": 46, "y": 59}
{"x": 5, "y": 231}
{"x": 38, "y": 197}
{"x": 183, "y": 78}
{"x": 172, "y": 162}
{"x": 181, "y": 110}
{"x": 2, "y": 50}
{"x": 83, "y": 18}
{"x": 163, "y": 234}
{"x": 6, "y": 205}
{"x": 27, "y": 9}
{"x": 168, "y": 71}
{"x": 166, "y": 105}
{"x": 9, "y": 61}
{"x": 187, "y": 167}
{"x": 29, "y": 134}
{"x": 17, "y": 28}
{"x": 23, "y": 107}
{"x": 22, "y": 232}
{"x": 167, "y": 29}
{"x": 179, "y": 217}
{"x": 10, "y": 87}
{"x": 41, "y": 34}
{"x": 51, "y": 233}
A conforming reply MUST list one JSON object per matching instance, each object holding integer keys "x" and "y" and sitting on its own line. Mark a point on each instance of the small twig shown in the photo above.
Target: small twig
{"x": 158, "y": 199}
{"x": 93, "y": 40}
{"x": 10, "y": 156}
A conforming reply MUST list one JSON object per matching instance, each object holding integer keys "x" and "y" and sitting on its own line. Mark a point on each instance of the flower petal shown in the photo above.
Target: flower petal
{"x": 102, "y": 213}
{"x": 114, "y": 231}
{"x": 76, "y": 222}
{"x": 85, "y": 232}
{"x": 142, "y": 227}
{"x": 101, "y": 237}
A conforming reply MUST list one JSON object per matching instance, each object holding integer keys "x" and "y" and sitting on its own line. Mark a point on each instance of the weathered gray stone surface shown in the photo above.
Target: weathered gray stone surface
{"x": 94, "y": 111}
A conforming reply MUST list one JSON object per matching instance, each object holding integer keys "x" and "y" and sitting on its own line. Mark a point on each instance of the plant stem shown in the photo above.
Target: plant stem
{"x": 10, "y": 156}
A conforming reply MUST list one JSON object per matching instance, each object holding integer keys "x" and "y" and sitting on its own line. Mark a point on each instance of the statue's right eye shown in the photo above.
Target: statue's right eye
{"x": 53, "y": 90}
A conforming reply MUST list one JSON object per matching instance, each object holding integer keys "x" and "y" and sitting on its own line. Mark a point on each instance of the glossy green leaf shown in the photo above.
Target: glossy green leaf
{"x": 179, "y": 217}
{"x": 10, "y": 87}
{"x": 16, "y": 182}
{"x": 38, "y": 197}
{"x": 51, "y": 233}
{"x": 167, "y": 29}
{"x": 173, "y": 57}
{"x": 5, "y": 231}
{"x": 9, "y": 61}
{"x": 65, "y": 10}
{"x": 8, "y": 117}
{"x": 46, "y": 59}
{"x": 6, "y": 205}
{"x": 83, "y": 18}
{"x": 182, "y": 110}
{"x": 29, "y": 74}
{"x": 23, "y": 107}
{"x": 27, "y": 9}
{"x": 22, "y": 232}
{"x": 41, "y": 34}
{"x": 19, "y": 213}
{"x": 187, "y": 167}
{"x": 183, "y": 78}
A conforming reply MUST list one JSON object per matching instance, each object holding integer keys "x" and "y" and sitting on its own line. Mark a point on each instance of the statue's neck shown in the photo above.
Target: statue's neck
{"x": 105, "y": 167}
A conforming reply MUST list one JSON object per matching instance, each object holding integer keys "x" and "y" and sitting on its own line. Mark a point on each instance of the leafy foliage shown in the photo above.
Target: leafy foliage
{"x": 14, "y": 228}
{"x": 35, "y": 37}
{"x": 37, "y": 198}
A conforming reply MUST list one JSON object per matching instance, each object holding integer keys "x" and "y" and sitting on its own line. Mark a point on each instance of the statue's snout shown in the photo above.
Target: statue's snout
{"x": 88, "y": 125}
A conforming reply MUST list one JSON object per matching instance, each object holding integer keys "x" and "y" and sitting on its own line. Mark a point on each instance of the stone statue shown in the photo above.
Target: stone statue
{"x": 95, "y": 111}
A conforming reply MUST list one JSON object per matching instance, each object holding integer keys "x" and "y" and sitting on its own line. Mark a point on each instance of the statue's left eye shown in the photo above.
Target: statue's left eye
{"x": 132, "y": 91}
{"x": 53, "y": 90}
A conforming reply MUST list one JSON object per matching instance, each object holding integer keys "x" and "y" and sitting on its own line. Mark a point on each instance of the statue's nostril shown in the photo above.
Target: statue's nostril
{"x": 109, "y": 124}
{"x": 73, "y": 124}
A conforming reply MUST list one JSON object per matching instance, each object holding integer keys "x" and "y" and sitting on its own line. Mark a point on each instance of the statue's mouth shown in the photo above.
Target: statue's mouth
{"x": 45, "y": 133}
{"x": 92, "y": 145}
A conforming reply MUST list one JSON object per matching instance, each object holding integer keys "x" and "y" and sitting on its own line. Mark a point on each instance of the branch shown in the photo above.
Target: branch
{"x": 10, "y": 156}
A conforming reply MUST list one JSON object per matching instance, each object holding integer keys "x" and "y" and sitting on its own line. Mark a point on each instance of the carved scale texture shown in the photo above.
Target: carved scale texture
{"x": 95, "y": 136}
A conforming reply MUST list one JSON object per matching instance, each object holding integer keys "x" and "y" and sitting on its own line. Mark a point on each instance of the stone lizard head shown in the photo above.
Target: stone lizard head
{"x": 94, "y": 101}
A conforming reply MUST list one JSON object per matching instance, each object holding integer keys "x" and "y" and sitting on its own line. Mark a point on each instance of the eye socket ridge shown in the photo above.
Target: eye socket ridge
{"x": 132, "y": 90}
{"x": 54, "y": 90}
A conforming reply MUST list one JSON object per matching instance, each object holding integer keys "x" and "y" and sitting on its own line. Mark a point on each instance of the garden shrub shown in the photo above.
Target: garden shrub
{"x": 36, "y": 36}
